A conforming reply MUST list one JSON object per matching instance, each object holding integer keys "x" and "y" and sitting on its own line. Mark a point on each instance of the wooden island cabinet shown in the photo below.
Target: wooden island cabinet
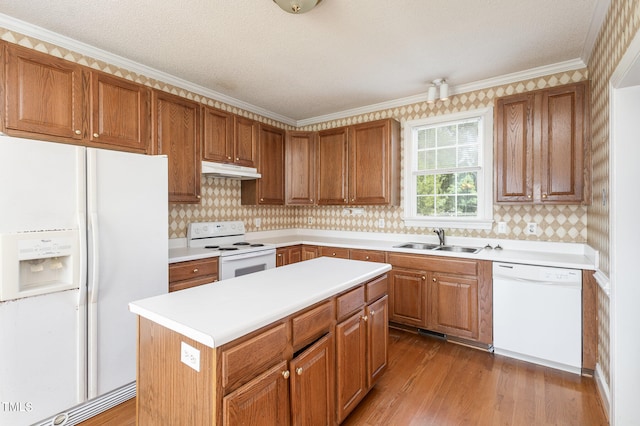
{"x": 310, "y": 367}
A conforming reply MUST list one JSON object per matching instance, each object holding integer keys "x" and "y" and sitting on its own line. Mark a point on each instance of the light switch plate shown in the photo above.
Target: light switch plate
{"x": 190, "y": 356}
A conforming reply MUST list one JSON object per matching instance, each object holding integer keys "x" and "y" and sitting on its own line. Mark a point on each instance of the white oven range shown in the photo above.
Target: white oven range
{"x": 237, "y": 256}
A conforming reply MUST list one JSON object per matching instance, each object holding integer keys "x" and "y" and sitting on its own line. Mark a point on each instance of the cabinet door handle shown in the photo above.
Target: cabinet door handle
{"x": 366, "y": 258}
{"x": 372, "y": 312}
{"x": 424, "y": 278}
{"x": 529, "y": 196}
{"x": 95, "y": 135}
{"x": 237, "y": 158}
{"x": 279, "y": 254}
{"x": 433, "y": 279}
{"x": 364, "y": 318}
{"x": 299, "y": 371}
{"x": 333, "y": 254}
{"x": 345, "y": 200}
{"x": 285, "y": 374}
{"x": 544, "y": 195}
{"x": 77, "y": 132}
{"x": 195, "y": 270}
{"x": 229, "y": 157}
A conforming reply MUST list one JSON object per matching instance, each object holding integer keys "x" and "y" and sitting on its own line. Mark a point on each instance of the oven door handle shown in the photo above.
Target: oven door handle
{"x": 251, "y": 255}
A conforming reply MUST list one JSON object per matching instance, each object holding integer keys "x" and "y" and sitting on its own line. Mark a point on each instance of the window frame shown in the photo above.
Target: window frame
{"x": 484, "y": 218}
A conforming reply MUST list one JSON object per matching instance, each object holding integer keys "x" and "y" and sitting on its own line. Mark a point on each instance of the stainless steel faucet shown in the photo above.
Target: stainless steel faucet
{"x": 440, "y": 233}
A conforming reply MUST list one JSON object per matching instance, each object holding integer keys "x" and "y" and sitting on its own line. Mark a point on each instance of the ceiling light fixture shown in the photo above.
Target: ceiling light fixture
{"x": 444, "y": 90}
{"x": 297, "y": 6}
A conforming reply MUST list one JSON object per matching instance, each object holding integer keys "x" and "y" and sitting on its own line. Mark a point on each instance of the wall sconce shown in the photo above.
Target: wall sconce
{"x": 297, "y": 6}
{"x": 444, "y": 90}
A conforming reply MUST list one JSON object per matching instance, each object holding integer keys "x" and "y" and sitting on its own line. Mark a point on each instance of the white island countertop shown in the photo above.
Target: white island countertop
{"x": 217, "y": 313}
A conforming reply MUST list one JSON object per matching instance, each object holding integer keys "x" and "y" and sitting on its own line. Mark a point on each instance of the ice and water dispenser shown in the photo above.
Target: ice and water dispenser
{"x": 34, "y": 263}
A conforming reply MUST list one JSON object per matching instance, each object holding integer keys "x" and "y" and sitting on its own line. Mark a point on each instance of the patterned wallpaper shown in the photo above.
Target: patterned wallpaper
{"x": 555, "y": 223}
{"x": 620, "y": 26}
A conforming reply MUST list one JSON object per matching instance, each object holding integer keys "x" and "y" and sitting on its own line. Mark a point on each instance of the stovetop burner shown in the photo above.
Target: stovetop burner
{"x": 227, "y": 237}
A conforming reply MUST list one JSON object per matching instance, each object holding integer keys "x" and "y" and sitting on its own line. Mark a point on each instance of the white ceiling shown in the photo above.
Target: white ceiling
{"x": 342, "y": 55}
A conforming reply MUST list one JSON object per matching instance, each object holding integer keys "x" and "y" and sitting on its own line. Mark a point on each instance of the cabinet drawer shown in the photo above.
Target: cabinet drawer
{"x": 193, "y": 269}
{"x": 245, "y": 360}
{"x": 434, "y": 263}
{"x": 181, "y": 285}
{"x": 377, "y": 288}
{"x": 350, "y": 302}
{"x": 312, "y": 324}
{"x": 368, "y": 255}
{"x": 334, "y": 252}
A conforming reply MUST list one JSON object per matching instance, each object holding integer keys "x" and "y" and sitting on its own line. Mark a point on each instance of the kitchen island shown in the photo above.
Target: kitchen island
{"x": 299, "y": 344}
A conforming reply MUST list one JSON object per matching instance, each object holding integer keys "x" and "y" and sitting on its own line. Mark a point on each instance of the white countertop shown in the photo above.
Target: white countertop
{"x": 561, "y": 255}
{"x": 217, "y": 313}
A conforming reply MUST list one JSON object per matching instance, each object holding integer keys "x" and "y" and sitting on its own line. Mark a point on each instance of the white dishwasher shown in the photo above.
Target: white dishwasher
{"x": 537, "y": 314}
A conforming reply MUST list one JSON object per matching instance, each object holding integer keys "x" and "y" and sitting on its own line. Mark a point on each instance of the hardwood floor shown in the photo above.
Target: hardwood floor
{"x": 433, "y": 382}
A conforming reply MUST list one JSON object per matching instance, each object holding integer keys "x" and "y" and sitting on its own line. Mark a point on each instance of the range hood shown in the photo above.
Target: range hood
{"x": 229, "y": 171}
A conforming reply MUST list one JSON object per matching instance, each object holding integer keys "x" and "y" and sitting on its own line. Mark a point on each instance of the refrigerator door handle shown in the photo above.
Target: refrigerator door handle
{"x": 93, "y": 283}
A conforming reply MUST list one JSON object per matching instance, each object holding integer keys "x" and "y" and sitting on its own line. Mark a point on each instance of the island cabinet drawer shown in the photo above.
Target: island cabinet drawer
{"x": 244, "y": 360}
{"x": 309, "y": 325}
{"x": 376, "y": 288}
{"x": 193, "y": 269}
{"x": 348, "y": 303}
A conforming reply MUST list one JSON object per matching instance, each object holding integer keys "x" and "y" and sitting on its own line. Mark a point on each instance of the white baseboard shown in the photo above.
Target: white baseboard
{"x": 603, "y": 390}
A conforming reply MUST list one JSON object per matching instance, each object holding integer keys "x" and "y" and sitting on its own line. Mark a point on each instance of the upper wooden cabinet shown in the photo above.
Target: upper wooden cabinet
{"x": 54, "y": 99}
{"x": 43, "y": 95}
{"x": 542, "y": 153}
{"x": 331, "y": 166}
{"x": 176, "y": 130}
{"x": 374, "y": 163}
{"x": 300, "y": 173}
{"x": 120, "y": 112}
{"x": 269, "y": 189}
{"x": 359, "y": 164}
{"x": 229, "y": 138}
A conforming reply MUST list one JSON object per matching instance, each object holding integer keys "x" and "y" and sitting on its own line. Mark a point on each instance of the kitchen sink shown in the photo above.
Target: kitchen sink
{"x": 459, "y": 249}
{"x": 427, "y": 246}
{"x": 418, "y": 246}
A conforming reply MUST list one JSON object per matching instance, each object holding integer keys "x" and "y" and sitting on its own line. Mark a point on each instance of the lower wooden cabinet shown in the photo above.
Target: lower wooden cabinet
{"x": 377, "y": 339}
{"x": 309, "y": 252}
{"x": 288, "y": 255}
{"x": 192, "y": 273}
{"x": 408, "y": 297}
{"x": 312, "y": 384}
{"x": 351, "y": 347}
{"x": 262, "y": 401}
{"x": 452, "y": 296}
{"x": 340, "y": 252}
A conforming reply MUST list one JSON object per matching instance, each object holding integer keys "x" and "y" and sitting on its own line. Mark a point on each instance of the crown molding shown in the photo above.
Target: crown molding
{"x": 570, "y": 65}
{"x": 42, "y": 34}
{"x": 39, "y": 33}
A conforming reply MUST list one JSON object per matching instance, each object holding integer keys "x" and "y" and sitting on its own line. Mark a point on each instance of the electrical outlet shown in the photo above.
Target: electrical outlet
{"x": 257, "y": 222}
{"x": 502, "y": 227}
{"x": 531, "y": 228}
{"x": 380, "y": 223}
{"x": 190, "y": 356}
{"x": 310, "y": 220}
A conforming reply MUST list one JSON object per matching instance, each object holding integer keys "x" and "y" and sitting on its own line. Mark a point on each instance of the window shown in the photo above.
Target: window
{"x": 448, "y": 170}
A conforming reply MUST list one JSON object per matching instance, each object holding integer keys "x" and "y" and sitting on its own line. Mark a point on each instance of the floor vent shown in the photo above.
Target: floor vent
{"x": 432, "y": 333}
{"x": 91, "y": 408}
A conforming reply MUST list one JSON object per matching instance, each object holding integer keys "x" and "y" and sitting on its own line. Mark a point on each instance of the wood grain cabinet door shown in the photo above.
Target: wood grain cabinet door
{"x": 312, "y": 384}
{"x": 351, "y": 344}
{"x": 371, "y": 178}
{"x": 300, "y": 154}
{"x": 453, "y": 305}
{"x": 408, "y": 297}
{"x": 177, "y": 135}
{"x": 217, "y": 135}
{"x": 562, "y": 144}
{"x": 514, "y": 149}
{"x": 377, "y": 339}
{"x": 120, "y": 113}
{"x": 269, "y": 189}
{"x": 331, "y": 166}
{"x": 245, "y": 141}
{"x": 262, "y": 401}
{"x": 43, "y": 94}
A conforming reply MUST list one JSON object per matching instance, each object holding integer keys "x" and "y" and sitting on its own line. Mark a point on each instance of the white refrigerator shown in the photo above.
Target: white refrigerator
{"x": 83, "y": 232}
